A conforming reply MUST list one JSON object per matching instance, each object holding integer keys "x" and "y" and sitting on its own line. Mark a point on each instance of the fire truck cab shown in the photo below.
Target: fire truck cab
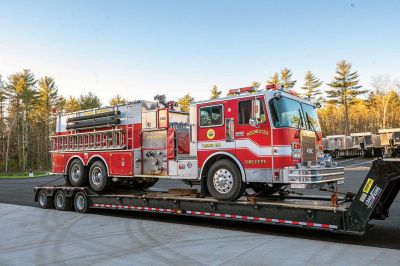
{"x": 266, "y": 140}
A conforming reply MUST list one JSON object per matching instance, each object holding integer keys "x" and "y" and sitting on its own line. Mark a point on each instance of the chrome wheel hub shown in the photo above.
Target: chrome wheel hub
{"x": 80, "y": 202}
{"x": 59, "y": 200}
{"x": 75, "y": 172}
{"x": 223, "y": 181}
{"x": 97, "y": 175}
{"x": 42, "y": 199}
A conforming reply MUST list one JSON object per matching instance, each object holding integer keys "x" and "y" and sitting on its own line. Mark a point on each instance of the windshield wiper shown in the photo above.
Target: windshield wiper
{"x": 311, "y": 125}
{"x": 300, "y": 123}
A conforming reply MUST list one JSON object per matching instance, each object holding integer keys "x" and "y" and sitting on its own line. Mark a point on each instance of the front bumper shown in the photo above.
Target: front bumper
{"x": 304, "y": 177}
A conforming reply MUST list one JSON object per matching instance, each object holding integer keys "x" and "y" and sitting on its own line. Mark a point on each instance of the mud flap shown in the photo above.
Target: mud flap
{"x": 377, "y": 192}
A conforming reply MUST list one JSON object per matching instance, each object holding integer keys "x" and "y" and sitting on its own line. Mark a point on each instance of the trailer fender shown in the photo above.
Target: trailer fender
{"x": 219, "y": 155}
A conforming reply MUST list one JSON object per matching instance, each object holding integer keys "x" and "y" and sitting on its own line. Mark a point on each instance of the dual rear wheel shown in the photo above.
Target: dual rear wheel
{"x": 96, "y": 176}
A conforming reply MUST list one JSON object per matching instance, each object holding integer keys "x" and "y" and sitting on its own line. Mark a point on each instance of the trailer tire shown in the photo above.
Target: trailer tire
{"x": 98, "y": 177}
{"x": 61, "y": 201}
{"x": 224, "y": 181}
{"x": 45, "y": 202}
{"x": 81, "y": 203}
{"x": 77, "y": 173}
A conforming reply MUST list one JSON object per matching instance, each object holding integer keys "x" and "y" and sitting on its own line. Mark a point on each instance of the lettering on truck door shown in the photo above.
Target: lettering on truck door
{"x": 212, "y": 134}
{"x": 253, "y": 142}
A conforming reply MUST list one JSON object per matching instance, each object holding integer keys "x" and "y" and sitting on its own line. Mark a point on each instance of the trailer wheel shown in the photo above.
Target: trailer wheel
{"x": 77, "y": 174}
{"x": 81, "y": 203}
{"x": 61, "y": 202}
{"x": 98, "y": 177}
{"x": 45, "y": 202}
{"x": 224, "y": 181}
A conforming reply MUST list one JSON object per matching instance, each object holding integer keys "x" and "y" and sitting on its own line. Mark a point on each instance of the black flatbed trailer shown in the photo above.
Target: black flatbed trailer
{"x": 344, "y": 215}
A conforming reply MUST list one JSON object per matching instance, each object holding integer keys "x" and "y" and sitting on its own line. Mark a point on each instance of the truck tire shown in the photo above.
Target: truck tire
{"x": 61, "y": 202}
{"x": 45, "y": 202}
{"x": 224, "y": 181}
{"x": 77, "y": 174}
{"x": 81, "y": 203}
{"x": 98, "y": 177}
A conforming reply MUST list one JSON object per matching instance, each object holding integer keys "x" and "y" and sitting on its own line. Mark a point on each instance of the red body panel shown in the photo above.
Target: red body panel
{"x": 119, "y": 163}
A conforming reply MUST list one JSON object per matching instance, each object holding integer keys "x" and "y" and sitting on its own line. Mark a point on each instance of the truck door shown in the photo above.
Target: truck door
{"x": 253, "y": 137}
{"x": 215, "y": 131}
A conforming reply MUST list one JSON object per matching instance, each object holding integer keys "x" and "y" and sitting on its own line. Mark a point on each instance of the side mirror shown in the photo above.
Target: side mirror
{"x": 256, "y": 109}
{"x": 256, "y": 113}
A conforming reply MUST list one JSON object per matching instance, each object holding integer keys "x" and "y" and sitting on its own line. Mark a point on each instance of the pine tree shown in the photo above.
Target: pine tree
{"x": 256, "y": 84}
{"x": 117, "y": 100}
{"x": 311, "y": 85}
{"x": 274, "y": 80}
{"x": 3, "y": 99}
{"x": 344, "y": 89}
{"x": 185, "y": 102}
{"x": 22, "y": 95}
{"x": 286, "y": 78}
{"x": 215, "y": 93}
{"x": 89, "y": 101}
{"x": 47, "y": 100}
{"x": 72, "y": 104}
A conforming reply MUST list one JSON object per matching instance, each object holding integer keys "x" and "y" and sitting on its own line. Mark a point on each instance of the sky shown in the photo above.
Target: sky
{"x": 138, "y": 49}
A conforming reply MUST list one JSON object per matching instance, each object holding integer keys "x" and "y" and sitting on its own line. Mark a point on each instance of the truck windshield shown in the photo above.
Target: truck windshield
{"x": 287, "y": 112}
{"x": 311, "y": 117}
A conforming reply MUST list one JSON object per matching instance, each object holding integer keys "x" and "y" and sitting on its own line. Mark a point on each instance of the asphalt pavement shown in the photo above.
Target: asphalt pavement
{"x": 386, "y": 234}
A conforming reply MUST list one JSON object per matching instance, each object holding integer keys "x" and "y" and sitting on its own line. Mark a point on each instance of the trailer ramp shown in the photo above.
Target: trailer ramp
{"x": 376, "y": 194}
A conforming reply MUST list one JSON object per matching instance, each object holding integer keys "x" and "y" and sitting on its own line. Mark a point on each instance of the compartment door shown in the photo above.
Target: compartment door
{"x": 121, "y": 164}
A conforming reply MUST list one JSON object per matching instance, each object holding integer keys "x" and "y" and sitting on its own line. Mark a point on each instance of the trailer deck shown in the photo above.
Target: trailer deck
{"x": 347, "y": 216}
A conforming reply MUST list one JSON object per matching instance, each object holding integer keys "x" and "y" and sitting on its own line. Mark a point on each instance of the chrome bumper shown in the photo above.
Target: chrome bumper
{"x": 313, "y": 176}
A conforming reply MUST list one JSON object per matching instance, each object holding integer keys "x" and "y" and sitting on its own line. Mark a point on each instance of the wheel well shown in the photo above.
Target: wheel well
{"x": 69, "y": 164}
{"x": 95, "y": 159}
{"x": 212, "y": 160}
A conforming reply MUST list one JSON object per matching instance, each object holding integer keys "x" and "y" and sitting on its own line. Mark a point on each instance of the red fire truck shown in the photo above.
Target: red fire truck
{"x": 267, "y": 140}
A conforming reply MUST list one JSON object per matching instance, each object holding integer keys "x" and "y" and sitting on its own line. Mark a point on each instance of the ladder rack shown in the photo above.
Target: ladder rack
{"x": 113, "y": 139}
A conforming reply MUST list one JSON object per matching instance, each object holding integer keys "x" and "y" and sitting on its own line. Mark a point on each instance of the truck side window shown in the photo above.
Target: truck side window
{"x": 211, "y": 116}
{"x": 245, "y": 112}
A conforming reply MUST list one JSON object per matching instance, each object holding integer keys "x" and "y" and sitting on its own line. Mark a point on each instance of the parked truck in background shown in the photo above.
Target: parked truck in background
{"x": 390, "y": 140}
{"x": 368, "y": 144}
{"x": 341, "y": 146}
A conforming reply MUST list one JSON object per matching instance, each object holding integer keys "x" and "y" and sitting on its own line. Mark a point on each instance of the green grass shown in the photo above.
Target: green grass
{"x": 23, "y": 175}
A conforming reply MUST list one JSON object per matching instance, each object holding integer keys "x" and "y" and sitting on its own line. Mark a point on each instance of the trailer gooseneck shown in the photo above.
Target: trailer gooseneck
{"x": 347, "y": 216}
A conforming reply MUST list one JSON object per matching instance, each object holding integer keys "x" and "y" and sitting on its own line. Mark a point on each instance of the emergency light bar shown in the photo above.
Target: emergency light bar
{"x": 242, "y": 90}
{"x": 280, "y": 88}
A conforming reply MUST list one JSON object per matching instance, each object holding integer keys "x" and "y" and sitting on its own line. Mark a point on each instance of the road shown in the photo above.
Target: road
{"x": 386, "y": 234}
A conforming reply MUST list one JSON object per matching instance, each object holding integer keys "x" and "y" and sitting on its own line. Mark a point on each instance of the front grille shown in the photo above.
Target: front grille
{"x": 309, "y": 153}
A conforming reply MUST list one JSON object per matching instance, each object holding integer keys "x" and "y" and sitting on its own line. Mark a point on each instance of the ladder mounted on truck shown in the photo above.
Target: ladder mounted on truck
{"x": 348, "y": 216}
{"x": 111, "y": 139}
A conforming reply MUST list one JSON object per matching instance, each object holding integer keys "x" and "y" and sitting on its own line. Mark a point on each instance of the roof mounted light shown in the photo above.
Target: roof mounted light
{"x": 242, "y": 90}
{"x": 271, "y": 87}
